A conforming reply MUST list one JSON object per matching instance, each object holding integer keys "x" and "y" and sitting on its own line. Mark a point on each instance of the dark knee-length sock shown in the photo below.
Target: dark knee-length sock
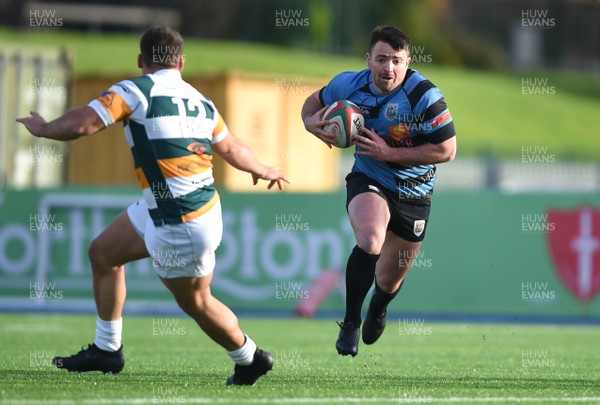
{"x": 360, "y": 273}
{"x": 381, "y": 299}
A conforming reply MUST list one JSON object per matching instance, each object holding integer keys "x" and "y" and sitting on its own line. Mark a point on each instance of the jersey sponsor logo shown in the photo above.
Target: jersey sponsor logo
{"x": 419, "y": 227}
{"x": 368, "y": 111}
{"x": 125, "y": 89}
{"x": 400, "y": 136}
{"x": 574, "y": 247}
{"x": 197, "y": 148}
{"x": 391, "y": 111}
{"x": 400, "y": 143}
{"x": 399, "y": 131}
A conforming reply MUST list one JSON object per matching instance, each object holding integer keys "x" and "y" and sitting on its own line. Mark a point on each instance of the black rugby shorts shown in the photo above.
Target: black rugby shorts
{"x": 408, "y": 216}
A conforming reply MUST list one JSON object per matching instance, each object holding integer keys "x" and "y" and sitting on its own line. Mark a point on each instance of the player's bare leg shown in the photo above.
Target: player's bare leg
{"x": 216, "y": 320}
{"x": 396, "y": 258}
{"x": 369, "y": 216}
{"x": 116, "y": 245}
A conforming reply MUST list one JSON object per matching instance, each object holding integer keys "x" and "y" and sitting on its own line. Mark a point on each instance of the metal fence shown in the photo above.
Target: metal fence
{"x": 511, "y": 176}
{"x": 32, "y": 80}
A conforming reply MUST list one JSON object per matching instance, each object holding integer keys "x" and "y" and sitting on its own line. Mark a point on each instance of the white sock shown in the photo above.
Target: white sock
{"x": 108, "y": 334}
{"x": 244, "y": 356}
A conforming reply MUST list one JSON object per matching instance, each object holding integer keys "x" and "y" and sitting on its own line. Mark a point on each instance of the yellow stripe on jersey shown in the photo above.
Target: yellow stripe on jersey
{"x": 184, "y": 166}
{"x": 142, "y": 178}
{"x": 202, "y": 210}
{"x": 115, "y": 105}
{"x": 218, "y": 127}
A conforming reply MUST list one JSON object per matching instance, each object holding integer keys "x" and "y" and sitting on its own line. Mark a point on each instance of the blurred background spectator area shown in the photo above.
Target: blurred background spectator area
{"x": 521, "y": 79}
{"x": 562, "y": 34}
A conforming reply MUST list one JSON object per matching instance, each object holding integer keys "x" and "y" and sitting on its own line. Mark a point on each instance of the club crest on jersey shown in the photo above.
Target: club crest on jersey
{"x": 107, "y": 97}
{"x": 197, "y": 148}
{"x": 391, "y": 111}
{"x": 419, "y": 227}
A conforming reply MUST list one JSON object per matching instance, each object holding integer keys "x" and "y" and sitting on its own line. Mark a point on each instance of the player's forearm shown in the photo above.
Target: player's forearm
{"x": 310, "y": 107}
{"x": 425, "y": 154}
{"x": 240, "y": 156}
{"x": 69, "y": 126}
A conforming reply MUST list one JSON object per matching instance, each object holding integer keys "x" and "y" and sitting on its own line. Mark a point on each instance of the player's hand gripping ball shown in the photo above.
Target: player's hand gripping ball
{"x": 345, "y": 121}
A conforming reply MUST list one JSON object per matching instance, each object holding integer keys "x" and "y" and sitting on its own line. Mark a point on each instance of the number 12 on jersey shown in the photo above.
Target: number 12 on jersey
{"x": 191, "y": 115}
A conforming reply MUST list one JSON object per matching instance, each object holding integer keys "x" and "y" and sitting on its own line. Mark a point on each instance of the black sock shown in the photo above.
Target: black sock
{"x": 360, "y": 273}
{"x": 381, "y": 299}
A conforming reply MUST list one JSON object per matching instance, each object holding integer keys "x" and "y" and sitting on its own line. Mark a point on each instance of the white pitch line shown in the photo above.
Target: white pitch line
{"x": 341, "y": 400}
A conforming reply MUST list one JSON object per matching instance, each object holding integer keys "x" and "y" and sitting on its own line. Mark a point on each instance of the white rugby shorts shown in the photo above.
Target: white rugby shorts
{"x": 180, "y": 250}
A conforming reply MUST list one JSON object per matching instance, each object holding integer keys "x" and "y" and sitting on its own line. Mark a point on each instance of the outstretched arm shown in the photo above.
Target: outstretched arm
{"x": 71, "y": 125}
{"x": 312, "y": 116}
{"x": 239, "y": 155}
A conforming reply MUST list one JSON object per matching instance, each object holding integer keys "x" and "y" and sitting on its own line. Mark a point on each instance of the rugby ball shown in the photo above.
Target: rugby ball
{"x": 345, "y": 121}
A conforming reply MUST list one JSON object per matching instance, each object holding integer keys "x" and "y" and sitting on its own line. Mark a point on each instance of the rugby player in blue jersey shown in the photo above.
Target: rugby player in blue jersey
{"x": 408, "y": 129}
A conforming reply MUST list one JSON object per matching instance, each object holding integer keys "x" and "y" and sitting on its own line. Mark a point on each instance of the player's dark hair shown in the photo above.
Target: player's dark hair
{"x": 390, "y": 35}
{"x": 161, "y": 46}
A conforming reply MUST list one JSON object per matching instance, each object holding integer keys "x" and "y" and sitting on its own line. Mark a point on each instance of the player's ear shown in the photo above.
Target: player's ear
{"x": 181, "y": 63}
{"x": 140, "y": 61}
{"x": 368, "y": 57}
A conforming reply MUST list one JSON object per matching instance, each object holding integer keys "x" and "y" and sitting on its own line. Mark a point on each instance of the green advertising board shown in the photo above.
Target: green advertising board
{"x": 485, "y": 253}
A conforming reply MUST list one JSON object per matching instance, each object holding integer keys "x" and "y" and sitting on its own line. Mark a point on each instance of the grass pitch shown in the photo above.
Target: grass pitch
{"x": 169, "y": 360}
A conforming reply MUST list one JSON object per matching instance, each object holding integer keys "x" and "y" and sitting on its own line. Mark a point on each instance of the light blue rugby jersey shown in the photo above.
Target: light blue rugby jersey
{"x": 414, "y": 114}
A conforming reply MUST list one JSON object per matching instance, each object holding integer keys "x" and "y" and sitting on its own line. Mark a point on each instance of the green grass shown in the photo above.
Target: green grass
{"x": 491, "y": 114}
{"x": 442, "y": 363}
{"x": 116, "y": 54}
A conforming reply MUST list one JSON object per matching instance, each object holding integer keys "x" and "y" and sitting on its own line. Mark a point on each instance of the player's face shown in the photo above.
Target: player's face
{"x": 388, "y": 66}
